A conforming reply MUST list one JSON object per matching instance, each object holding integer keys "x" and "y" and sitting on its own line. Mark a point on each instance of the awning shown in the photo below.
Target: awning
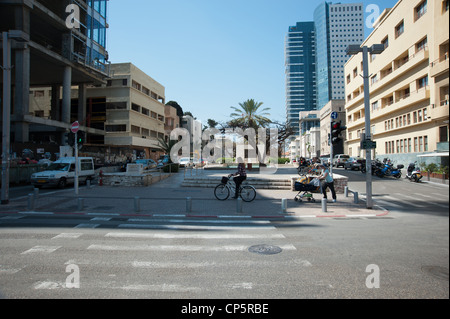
{"x": 440, "y": 154}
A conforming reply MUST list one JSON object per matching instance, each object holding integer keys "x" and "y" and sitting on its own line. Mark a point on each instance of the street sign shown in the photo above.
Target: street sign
{"x": 368, "y": 145}
{"x": 334, "y": 115}
{"x": 75, "y": 127}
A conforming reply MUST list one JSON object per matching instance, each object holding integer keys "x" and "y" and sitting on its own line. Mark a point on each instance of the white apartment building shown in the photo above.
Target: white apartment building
{"x": 409, "y": 84}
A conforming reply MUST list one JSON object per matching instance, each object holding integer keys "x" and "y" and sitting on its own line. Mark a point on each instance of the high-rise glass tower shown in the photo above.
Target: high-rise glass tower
{"x": 315, "y": 57}
{"x": 337, "y": 26}
{"x": 300, "y": 71}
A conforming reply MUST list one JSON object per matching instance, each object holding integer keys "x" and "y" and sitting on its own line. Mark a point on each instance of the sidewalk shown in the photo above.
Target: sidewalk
{"x": 169, "y": 198}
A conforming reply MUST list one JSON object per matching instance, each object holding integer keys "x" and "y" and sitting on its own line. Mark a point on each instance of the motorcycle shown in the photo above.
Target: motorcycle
{"x": 413, "y": 173}
{"x": 389, "y": 170}
{"x": 376, "y": 166}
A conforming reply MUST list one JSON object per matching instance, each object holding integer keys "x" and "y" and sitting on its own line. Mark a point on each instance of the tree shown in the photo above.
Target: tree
{"x": 249, "y": 115}
{"x": 212, "y": 123}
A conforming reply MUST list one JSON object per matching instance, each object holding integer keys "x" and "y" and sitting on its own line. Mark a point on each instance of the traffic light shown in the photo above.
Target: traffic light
{"x": 71, "y": 139}
{"x": 336, "y": 130}
{"x": 81, "y": 138}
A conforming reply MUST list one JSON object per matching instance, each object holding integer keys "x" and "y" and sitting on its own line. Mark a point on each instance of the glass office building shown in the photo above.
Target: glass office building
{"x": 300, "y": 72}
{"x": 337, "y": 26}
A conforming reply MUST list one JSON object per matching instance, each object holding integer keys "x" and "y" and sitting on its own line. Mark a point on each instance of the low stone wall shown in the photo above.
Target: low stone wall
{"x": 340, "y": 182}
{"x": 130, "y": 180}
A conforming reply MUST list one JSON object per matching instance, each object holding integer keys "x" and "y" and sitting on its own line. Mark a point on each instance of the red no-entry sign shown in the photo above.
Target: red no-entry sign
{"x": 75, "y": 127}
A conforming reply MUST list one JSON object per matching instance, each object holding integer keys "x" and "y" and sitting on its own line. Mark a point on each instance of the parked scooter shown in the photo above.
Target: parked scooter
{"x": 376, "y": 166}
{"x": 389, "y": 170}
{"x": 413, "y": 173}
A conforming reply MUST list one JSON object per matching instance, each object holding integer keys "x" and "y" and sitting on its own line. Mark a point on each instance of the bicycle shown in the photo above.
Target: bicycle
{"x": 228, "y": 187}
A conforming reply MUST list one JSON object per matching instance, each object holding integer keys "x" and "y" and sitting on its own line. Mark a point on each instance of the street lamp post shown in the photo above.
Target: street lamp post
{"x": 374, "y": 49}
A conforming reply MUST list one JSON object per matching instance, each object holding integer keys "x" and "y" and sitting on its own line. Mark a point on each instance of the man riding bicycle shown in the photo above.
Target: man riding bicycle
{"x": 239, "y": 177}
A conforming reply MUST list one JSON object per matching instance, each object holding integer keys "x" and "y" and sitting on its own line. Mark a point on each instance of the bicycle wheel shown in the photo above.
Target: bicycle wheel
{"x": 248, "y": 193}
{"x": 222, "y": 192}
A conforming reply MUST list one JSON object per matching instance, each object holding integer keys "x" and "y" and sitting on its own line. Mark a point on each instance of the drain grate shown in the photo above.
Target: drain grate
{"x": 265, "y": 249}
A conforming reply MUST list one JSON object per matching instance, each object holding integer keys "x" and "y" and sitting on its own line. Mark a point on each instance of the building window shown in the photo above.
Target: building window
{"x": 399, "y": 29}
{"x": 116, "y": 128}
{"x": 416, "y": 143}
{"x": 422, "y": 82}
{"x": 135, "y": 129}
{"x": 425, "y": 143}
{"x": 422, "y": 45}
{"x": 445, "y": 6}
{"x": 409, "y": 145}
{"x": 385, "y": 42}
{"x": 420, "y": 10}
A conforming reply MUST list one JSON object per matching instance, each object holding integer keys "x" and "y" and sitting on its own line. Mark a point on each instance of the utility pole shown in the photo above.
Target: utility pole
{"x": 6, "y": 127}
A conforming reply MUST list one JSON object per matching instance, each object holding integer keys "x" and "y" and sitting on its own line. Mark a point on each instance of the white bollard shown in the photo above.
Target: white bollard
{"x": 137, "y": 204}
{"x": 284, "y": 205}
{"x": 188, "y": 205}
{"x": 239, "y": 205}
{"x": 324, "y": 205}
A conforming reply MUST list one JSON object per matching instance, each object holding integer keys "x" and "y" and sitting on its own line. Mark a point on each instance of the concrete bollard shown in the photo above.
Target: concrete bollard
{"x": 88, "y": 183}
{"x": 346, "y": 191}
{"x": 284, "y": 206}
{"x": 36, "y": 193}
{"x": 80, "y": 204}
{"x": 239, "y": 206}
{"x": 324, "y": 205}
{"x": 188, "y": 205}
{"x": 137, "y": 204}
{"x": 30, "y": 202}
{"x": 356, "y": 197}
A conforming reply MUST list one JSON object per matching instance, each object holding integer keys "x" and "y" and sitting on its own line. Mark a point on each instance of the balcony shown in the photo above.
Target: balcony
{"x": 401, "y": 65}
{"x": 440, "y": 66}
{"x": 439, "y": 112}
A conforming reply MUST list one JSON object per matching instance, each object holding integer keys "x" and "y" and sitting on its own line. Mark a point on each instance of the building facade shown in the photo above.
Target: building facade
{"x": 130, "y": 109}
{"x": 300, "y": 72}
{"x": 59, "y": 51}
{"x": 337, "y": 26}
{"x": 337, "y": 106}
{"x": 409, "y": 84}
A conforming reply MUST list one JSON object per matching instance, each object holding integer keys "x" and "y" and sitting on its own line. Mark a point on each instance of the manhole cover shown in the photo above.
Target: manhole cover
{"x": 265, "y": 249}
{"x": 436, "y": 271}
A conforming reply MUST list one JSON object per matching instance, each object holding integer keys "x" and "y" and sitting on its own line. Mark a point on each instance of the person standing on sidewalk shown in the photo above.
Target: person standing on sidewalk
{"x": 239, "y": 177}
{"x": 327, "y": 182}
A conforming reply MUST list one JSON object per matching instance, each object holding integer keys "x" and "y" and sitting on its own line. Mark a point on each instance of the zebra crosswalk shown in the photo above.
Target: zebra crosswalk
{"x": 153, "y": 258}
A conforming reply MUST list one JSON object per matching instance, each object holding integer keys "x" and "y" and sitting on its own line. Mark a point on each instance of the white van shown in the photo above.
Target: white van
{"x": 62, "y": 172}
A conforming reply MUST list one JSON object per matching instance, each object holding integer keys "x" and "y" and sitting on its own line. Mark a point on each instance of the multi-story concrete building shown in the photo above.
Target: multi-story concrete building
{"x": 337, "y": 26}
{"x": 300, "y": 72}
{"x": 409, "y": 83}
{"x": 62, "y": 45}
{"x": 315, "y": 57}
{"x": 130, "y": 109}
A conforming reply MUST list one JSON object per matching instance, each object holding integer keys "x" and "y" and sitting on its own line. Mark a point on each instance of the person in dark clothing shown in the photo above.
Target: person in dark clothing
{"x": 239, "y": 177}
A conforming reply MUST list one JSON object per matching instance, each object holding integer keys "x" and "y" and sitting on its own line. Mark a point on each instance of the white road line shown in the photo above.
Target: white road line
{"x": 68, "y": 236}
{"x": 183, "y": 248}
{"x": 41, "y": 249}
{"x": 193, "y": 227}
{"x": 160, "y": 288}
{"x": 194, "y": 236}
{"x": 201, "y": 221}
{"x": 171, "y": 265}
{"x": 388, "y": 204}
{"x": 87, "y": 226}
{"x": 406, "y": 202}
{"x": 12, "y": 217}
{"x": 101, "y": 219}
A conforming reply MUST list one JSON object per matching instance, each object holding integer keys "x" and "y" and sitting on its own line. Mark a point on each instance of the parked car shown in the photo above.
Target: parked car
{"x": 325, "y": 160}
{"x": 163, "y": 160}
{"x": 147, "y": 163}
{"x": 184, "y": 162}
{"x": 354, "y": 163}
{"x": 62, "y": 172}
{"x": 340, "y": 159}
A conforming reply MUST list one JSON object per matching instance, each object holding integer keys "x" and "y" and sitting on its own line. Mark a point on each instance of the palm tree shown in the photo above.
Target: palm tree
{"x": 249, "y": 115}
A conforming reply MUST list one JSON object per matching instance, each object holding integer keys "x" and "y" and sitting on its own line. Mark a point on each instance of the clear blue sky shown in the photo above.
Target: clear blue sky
{"x": 212, "y": 54}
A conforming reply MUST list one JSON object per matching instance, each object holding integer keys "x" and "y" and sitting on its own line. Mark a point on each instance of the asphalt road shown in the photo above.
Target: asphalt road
{"x": 402, "y": 255}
